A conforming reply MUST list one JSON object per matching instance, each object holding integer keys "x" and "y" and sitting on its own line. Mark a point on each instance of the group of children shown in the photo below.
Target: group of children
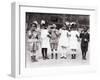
{"x": 53, "y": 41}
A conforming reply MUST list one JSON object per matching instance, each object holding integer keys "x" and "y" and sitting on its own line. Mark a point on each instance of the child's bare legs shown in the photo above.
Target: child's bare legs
{"x": 63, "y": 54}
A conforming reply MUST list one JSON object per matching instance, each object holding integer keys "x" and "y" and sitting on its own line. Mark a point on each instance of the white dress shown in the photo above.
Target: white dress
{"x": 63, "y": 41}
{"x": 44, "y": 38}
{"x": 74, "y": 44}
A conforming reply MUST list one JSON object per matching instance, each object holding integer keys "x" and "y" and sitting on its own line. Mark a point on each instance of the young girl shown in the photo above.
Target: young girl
{"x": 63, "y": 42}
{"x": 44, "y": 40}
{"x": 74, "y": 44}
{"x": 33, "y": 41}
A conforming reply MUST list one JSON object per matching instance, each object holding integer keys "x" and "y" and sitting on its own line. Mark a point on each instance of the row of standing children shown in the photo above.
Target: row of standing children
{"x": 57, "y": 40}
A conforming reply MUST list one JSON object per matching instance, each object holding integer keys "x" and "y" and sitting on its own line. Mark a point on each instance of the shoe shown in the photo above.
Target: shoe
{"x": 56, "y": 56}
{"x": 52, "y": 56}
{"x": 47, "y": 58}
{"x": 84, "y": 58}
{"x": 44, "y": 58}
{"x": 72, "y": 57}
{"x": 33, "y": 59}
{"x": 62, "y": 57}
{"x": 65, "y": 57}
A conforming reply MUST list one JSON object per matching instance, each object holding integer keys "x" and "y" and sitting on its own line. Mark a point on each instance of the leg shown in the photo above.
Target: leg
{"x": 72, "y": 56}
{"x": 82, "y": 49}
{"x": 85, "y": 51}
{"x": 74, "y": 53}
{"x": 52, "y": 54}
{"x": 35, "y": 48}
{"x": 56, "y": 46}
{"x": 62, "y": 53}
{"x": 85, "y": 55}
{"x": 46, "y": 56}
{"x": 66, "y": 52}
{"x": 82, "y": 54}
{"x": 33, "y": 58}
{"x": 51, "y": 45}
{"x": 56, "y": 54}
{"x": 65, "y": 55}
{"x": 43, "y": 53}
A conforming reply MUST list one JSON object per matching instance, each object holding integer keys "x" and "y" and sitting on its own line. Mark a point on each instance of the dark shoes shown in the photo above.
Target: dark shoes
{"x": 84, "y": 58}
{"x": 63, "y": 57}
{"x": 52, "y": 56}
{"x": 56, "y": 56}
{"x": 44, "y": 58}
{"x": 73, "y": 56}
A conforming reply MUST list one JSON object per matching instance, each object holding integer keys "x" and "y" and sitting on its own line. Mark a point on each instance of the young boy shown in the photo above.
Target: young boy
{"x": 84, "y": 42}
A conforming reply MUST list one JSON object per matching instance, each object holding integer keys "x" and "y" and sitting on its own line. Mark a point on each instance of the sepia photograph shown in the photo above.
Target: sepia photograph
{"x": 56, "y": 39}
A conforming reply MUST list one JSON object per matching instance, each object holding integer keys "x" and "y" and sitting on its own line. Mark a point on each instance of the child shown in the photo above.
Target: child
{"x": 53, "y": 38}
{"x": 44, "y": 40}
{"x": 63, "y": 42}
{"x": 84, "y": 42}
{"x": 74, "y": 44}
{"x": 33, "y": 40}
